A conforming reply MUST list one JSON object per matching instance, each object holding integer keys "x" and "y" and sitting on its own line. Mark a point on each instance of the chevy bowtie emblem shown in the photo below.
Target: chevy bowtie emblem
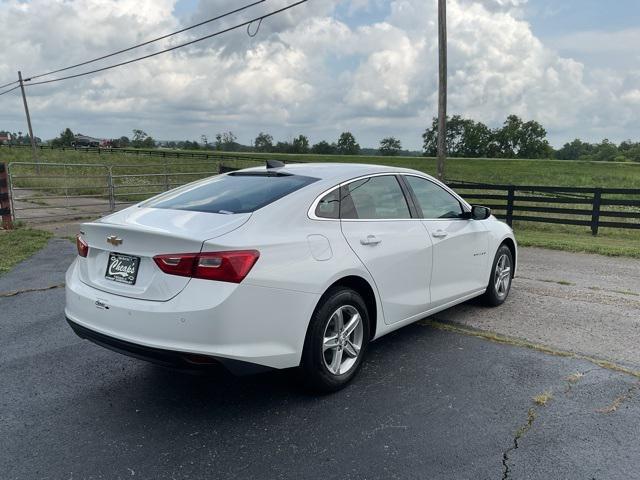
{"x": 114, "y": 240}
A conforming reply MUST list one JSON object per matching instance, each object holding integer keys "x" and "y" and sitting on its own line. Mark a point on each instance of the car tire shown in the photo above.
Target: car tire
{"x": 323, "y": 367}
{"x": 500, "y": 278}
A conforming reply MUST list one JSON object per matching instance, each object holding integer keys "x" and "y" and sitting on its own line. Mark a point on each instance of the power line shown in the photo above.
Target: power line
{"x": 10, "y": 83}
{"x": 249, "y": 22}
{"x": 147, "y": 42}
{"x": 10, "y": 90}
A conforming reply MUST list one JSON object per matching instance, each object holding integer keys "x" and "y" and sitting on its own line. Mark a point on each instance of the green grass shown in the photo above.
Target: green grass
{"x": 610, "y": 242}
{"x": 516, "y": 172}
{"x": 90, "y": 180}
{"x": 17, "y": 245}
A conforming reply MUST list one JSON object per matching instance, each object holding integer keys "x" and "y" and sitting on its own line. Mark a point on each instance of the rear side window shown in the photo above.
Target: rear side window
{"x": 374, "y": 198}
{"x": 329, "y": 205}
{"x": 240, "y": 192}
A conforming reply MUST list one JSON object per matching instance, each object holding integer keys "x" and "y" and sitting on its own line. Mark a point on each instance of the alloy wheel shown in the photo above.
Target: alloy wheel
{"x": 342, "y": 340}
{"x": 502, "y": 275}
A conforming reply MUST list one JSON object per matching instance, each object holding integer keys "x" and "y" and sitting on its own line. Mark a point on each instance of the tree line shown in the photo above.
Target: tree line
{"x": 519, "y": 139}
{"x": 18, "y": 138}
{"x": 466, "y": 138}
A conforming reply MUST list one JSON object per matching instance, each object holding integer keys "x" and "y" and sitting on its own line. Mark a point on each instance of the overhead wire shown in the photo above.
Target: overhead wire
{"x": 148, "y": 42}
{"x": 10, "y": 89}
{"x": 200, "y": 39}
{"x": 10, "y": 83}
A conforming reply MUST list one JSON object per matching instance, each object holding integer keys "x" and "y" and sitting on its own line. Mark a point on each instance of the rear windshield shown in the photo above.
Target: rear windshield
{"x": 240, "y": 192}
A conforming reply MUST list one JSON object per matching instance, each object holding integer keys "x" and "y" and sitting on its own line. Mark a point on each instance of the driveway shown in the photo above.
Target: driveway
{"x": 427, "y": 404}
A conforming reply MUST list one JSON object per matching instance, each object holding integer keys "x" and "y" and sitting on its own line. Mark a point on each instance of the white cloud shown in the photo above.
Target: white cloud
{"x": 306, "y": 72}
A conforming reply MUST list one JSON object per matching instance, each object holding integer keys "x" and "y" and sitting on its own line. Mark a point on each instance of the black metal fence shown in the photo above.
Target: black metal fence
{"x": 59, "y": 186}
{"x": 590, "y": 207}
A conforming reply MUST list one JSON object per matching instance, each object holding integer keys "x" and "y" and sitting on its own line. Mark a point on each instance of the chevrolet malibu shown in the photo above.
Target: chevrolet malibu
{"x": 280, "y": 266}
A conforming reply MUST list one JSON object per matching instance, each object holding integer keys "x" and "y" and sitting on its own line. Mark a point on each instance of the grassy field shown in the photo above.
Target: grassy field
{"x": 610, "y": 242}
{"x": 516, "y": 172}
{"x": 17, "y": 245}
{"x": 135, "y": 179}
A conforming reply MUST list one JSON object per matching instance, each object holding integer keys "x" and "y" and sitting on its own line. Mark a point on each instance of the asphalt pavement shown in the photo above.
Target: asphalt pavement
{"x": 427, "y": 404}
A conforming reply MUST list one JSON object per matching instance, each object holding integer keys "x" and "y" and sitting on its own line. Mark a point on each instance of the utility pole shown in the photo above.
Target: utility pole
{"x": 26, "y": 111}
{"x": 442, "y": 87}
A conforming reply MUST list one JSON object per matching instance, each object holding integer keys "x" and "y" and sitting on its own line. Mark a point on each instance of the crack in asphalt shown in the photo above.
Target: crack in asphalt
{"x": 620, "y": 399}
{"x": 13, "y": 293}
{"x": 531, "y": 417}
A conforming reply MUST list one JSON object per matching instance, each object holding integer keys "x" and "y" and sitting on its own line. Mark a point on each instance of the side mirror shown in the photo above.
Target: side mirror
{"x": 479, "y": 212}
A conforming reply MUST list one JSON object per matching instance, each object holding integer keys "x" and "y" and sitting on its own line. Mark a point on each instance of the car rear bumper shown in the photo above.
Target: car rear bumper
{"x": 165, "y": 358}
{"x": 247, "y": 323}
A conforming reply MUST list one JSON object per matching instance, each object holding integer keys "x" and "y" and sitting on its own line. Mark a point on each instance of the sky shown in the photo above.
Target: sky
{"x": 324, "y": 67}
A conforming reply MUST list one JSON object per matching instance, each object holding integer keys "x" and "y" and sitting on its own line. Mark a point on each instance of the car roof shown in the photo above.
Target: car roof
{"x": 336, "y": 172}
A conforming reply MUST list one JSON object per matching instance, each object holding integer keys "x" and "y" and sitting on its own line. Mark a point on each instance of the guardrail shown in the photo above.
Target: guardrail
{"x": 583, "y": 206}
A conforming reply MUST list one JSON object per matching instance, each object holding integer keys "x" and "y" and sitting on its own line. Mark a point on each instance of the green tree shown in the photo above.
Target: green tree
{"x": 465, "y": 138}
{"x": 324, "y": 148}
{"x": 66, "y": 139}
{"x": 300, "y": 144}
{"x": 518, "y": 139}
{"x": 605, "y": 151}
{"x": 283, "y": 147}
{"x": 263, "y": 142}
{"x": 226, "y": 141}
{"x": 347, "y": 144}
{"x": 148, "y": 142}
{"x": 139, "y": 137}
{"x": 390, "y": 146}
{"x": 575, "y": 150}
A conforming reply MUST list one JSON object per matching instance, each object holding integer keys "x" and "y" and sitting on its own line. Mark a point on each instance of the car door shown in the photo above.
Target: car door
{"x": 460, "y": 244}
{"x": 377, "y": 223}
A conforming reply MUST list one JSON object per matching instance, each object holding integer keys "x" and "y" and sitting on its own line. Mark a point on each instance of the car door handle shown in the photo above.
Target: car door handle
{"x": 370, "y": 240}
{"x": 439, "y": 234}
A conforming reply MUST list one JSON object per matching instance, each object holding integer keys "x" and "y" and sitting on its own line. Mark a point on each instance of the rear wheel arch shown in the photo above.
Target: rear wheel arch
{"x": 364, "y": 288}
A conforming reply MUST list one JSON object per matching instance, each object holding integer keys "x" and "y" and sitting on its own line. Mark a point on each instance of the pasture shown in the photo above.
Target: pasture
{"x": 137, "y": 177}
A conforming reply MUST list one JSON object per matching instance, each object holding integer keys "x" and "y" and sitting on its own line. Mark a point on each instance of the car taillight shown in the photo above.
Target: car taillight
{"x": 232, "y": 266}
{"x": 82, "y": 246}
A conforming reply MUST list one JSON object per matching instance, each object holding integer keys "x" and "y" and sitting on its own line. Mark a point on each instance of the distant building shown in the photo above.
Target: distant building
{"x": 86, "y": 141}
{"x": 4, "y": 138}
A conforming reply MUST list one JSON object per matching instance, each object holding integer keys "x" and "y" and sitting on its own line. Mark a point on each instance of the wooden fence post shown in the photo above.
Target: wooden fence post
{"x": 5, "y": 199}
{"x": 510, "y": 197}
{"x": 595, "y": 214}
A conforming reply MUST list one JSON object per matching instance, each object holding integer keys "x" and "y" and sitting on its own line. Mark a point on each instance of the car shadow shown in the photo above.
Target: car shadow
{"x": 217, "y": 388}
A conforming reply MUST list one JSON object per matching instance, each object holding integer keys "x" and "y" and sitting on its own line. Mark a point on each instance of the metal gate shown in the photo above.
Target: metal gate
{"x": 42, "y": 192}
{"x": 55, "y": 191}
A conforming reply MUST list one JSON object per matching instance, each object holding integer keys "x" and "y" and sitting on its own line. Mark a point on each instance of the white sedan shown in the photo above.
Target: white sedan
{"x": 283, "y": 266}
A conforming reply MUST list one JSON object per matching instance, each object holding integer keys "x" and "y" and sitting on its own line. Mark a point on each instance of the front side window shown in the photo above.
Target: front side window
{"x": 434, "y": 201}
{"x": 374, "y": 198}
{"x": 240, "y": 192}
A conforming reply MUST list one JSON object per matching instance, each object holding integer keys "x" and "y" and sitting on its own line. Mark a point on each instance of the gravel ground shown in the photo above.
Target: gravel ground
{"x": 582, "y": 303}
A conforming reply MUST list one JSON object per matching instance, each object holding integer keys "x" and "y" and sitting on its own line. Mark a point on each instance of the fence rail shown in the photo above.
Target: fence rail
{"x": 62, "y": 190}
{"x": 582, "y": 206}
{"x": 138, "y": 152}
{"x": 48, "y": 191}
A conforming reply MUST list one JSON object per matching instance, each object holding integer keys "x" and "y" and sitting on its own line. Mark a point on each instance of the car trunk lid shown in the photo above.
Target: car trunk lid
{"x": 142, "y": 233}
